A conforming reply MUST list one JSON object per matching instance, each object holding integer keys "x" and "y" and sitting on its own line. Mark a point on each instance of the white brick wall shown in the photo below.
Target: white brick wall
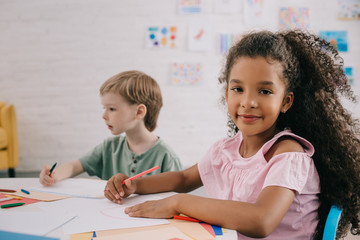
{"x": 55, "y": 54}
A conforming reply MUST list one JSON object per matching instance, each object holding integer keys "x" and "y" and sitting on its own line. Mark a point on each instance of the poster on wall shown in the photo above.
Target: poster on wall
{"x": 253, "y": 12}
{"x": 161, "y": 37}
{"x": 226, "y": 41}
{"x": 186, "y": 7}
{"x": 294, "y": 18}
{"x": 349, "y": 74}
{"x": 337, "y": 38}
{"x": 200, "y": 36}
{"x": 348, "y": 9}
{"x": 226, "y": 6}
{"x": 186, "y": 73}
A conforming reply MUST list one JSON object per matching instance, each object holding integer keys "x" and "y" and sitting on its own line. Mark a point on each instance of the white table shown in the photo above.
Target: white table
{"x": 17, "y": 183}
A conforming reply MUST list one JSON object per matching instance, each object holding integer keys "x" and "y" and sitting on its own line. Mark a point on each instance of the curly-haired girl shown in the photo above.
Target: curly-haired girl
{"x": 294, "y": 153}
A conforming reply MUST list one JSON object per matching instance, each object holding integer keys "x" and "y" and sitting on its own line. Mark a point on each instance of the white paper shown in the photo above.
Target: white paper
{"x": 36, "y": 223}
{"x": 200, "y": 36}
{"x": 186, "y": 7}
{"x": 227, "y": 6}
{"x": 254, "y": 13}
{"x": 161, "y": 37}
{"x": 99, "y": 214}
{"x": 76, "y": 187}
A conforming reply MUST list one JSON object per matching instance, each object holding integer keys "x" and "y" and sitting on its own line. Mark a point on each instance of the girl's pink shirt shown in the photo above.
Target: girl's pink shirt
{"x": 227, "y": 175}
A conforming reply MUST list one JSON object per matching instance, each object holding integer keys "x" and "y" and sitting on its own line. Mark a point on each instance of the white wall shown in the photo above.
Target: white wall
{"x": 55, "y": 54}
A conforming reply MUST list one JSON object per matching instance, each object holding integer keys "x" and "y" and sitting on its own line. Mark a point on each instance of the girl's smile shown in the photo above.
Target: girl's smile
{"x": 246, "y": 118}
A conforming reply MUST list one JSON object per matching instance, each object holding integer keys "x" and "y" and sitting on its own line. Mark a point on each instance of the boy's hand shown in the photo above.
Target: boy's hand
{"x": 115, "y": 190}
{"x": 44, "y": 177}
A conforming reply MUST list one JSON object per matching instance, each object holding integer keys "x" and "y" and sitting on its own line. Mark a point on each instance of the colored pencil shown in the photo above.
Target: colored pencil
{"x": 25, "y": 191}
{"x": 5, "y": 199}
{"x": 186, "y": 218}
{"x": 7, "y": 190}
{"x": 52, "y": 168}
{"x": 141, "y": 174}
{"x": 12, "y": 205}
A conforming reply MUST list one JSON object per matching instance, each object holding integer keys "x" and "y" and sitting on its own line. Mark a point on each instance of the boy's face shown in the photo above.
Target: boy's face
{"x": 119, "y": 115}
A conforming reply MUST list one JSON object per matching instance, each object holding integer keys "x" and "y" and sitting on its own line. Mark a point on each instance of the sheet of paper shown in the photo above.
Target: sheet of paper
{"x": 82, "y": 236}
{"x": 99, "y": 214}
{"x": 254, "y": 12}
{"x": 200, "y": 36}
{"x": 75, "y": 187}
{"x": 191, "y": 229}
{"x": 166, "y": 233}
{"x": 23, "y": 200}
{"x": 42, "y": 196}
{"x": 227, "y": 6}
{"x": 36, "y": 223}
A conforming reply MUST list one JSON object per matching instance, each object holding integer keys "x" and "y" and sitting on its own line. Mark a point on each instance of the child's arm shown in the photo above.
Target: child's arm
{"x": 66, "y": 170}
{"x": 181, "y": 181}
{"x": 254, "y": 220}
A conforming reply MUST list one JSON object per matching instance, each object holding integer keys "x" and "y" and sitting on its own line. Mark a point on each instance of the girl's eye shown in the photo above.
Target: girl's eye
{"x": 265, "y": 91}
{"x": 112, "y": 109}
{"x": 237, "y": 89}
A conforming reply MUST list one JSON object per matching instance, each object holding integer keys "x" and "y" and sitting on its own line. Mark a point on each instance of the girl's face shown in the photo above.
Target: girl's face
{"x": 256, "y": 95}
{"x": 119, "y": 114}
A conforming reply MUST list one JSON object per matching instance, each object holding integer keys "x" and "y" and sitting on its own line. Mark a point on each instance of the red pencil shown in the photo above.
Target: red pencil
{"x": 186, "y": 218}
{"x": 141, "y": 174}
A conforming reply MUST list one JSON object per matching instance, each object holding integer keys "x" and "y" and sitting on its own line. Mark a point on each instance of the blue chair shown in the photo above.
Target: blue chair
{"x": 332, "y": 223}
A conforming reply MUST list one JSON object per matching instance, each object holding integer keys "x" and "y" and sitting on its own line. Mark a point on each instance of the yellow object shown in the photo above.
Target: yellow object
{"x": 14, "y": 197}
{"x": 9, "y": 152}
{"x": 3, "y": 138}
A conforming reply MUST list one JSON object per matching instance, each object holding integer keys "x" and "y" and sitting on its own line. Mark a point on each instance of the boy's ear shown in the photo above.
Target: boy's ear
{"x": 140, "y": 111}
{"x": 288, "y": 101}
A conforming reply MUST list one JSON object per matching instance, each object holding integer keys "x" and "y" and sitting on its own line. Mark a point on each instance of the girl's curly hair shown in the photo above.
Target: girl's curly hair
{"x": 313, "y": 70}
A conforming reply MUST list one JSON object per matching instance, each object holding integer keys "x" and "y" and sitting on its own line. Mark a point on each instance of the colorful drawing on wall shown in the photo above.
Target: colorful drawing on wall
{"x": 349, "y": 74}
{"x": 186, "y": 73}
{"x": 199, "y": 36}
{"x": 337, "y": 38}
{"x": 291, "y": 18}
{"x": 254, "y": 12}
{"x": 189, "y": 6}
{"x": 226, "y": 6}
{"x": 226, "y": 41}
{"x": 349, "y": 9}
{"x": 161, "y": 37}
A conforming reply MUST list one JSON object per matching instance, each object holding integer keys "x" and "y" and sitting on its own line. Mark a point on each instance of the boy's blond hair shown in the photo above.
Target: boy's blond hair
{"x": 137, "y": 88}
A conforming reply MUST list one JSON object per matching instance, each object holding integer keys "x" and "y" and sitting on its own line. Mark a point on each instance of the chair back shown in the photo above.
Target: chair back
{"x": 332, "y": 223}
{"x": 9, "y": 136}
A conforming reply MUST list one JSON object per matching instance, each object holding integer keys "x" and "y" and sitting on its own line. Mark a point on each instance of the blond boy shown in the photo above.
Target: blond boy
{"x": 132, "y": 101}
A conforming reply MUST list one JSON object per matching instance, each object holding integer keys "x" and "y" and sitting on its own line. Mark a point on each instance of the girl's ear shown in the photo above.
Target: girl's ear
{"x": 140, "y": 111}
{"x": 287, "y": 102}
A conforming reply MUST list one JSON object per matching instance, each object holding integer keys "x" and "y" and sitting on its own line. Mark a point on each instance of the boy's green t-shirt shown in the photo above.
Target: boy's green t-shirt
{"x": 113, "y": 156}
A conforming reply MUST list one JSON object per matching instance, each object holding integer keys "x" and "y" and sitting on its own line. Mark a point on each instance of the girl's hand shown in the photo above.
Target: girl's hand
{"x": 44, "y": 177}
{"x": 164, "y": 208}
{"x": 115, "y": 190}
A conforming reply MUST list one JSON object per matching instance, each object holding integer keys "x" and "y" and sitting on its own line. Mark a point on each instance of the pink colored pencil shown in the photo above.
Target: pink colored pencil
{"x": 141, "y": 174}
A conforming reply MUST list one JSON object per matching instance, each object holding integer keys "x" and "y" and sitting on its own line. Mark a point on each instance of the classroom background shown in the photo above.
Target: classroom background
{"x": 55, "y": 54}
